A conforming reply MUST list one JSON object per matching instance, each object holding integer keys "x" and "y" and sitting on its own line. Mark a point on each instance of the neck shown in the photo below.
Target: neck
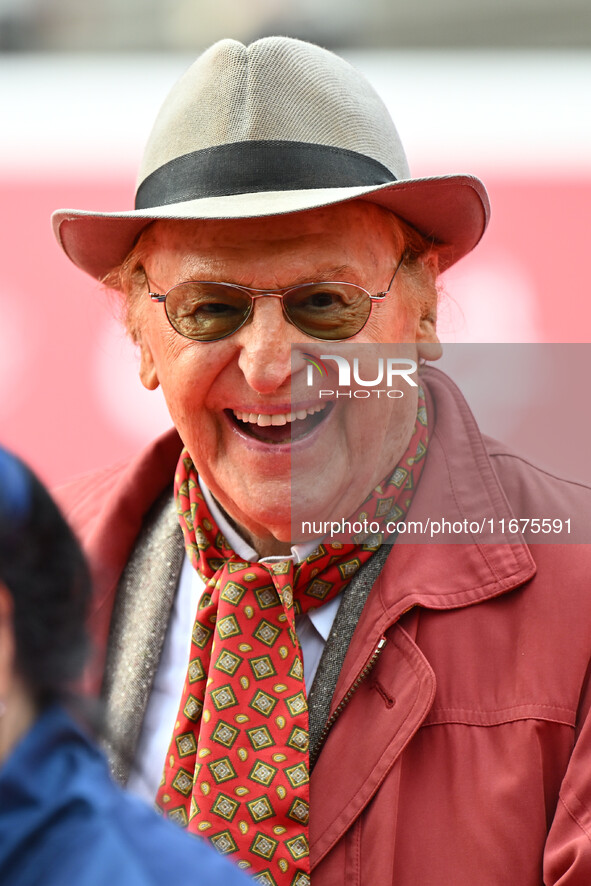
{"x": 270, "y": 547}
{"x": 267, "y": 546}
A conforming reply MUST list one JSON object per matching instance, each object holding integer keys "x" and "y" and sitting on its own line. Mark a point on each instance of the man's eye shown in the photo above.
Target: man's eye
{"x": 215, "y": 309}
{"x": 317, "y": 299}
{"x": 205, "y": 309}
{"x": 323, "y": 300}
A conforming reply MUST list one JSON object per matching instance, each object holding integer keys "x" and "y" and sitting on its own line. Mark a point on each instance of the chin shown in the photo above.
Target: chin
{"x": 271, "y": 518}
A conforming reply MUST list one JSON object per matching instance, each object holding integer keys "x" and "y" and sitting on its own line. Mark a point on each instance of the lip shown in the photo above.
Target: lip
{"x": 277, "y": 409}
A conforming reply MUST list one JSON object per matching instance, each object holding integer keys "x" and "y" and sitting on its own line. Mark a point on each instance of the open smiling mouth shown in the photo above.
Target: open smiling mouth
{"x": 282, "y": 427}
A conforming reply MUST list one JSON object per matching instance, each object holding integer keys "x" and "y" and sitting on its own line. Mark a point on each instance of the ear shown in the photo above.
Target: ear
{"x": 428, "y": 344}
{"x": 148, "y": 374}
{"x": 7, "y": 642}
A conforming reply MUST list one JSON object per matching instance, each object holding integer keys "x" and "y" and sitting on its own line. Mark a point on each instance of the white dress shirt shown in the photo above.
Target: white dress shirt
{"x": 161, "y": 713}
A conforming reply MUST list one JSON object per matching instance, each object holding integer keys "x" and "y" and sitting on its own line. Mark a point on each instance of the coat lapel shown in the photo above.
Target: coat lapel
{"x": 138, "y": 628}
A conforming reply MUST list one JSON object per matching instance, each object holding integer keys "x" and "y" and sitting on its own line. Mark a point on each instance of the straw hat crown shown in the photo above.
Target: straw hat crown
{"x": 277, "y": 89}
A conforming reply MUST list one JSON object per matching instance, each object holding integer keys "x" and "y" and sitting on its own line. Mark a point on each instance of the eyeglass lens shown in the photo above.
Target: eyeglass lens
{"x": 210, "y": 311}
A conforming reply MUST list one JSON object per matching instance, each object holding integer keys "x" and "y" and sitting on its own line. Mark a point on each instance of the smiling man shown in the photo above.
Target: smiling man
{"x": 359, "y": 711}
{"x": 240, "y": 404}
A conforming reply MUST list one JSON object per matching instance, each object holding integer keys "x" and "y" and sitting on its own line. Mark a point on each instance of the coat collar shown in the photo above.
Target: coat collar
{"x": 458, "y": 483}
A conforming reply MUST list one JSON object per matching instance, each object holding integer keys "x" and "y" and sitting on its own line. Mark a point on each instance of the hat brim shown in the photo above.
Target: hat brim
{"x": 453, "y": 210}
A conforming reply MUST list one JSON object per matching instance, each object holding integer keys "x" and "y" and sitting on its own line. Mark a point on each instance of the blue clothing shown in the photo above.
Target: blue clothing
{"x": 63, "y": 822}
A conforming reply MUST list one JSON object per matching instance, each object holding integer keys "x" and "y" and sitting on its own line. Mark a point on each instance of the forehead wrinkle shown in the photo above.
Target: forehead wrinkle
{"x": 325, "y": 274}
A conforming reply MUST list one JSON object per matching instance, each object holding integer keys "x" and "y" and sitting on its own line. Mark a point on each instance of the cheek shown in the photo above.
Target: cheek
{"x": 186, "y": 373}
{"x": 176, "y": 359}
{"x": 379, "y": 417}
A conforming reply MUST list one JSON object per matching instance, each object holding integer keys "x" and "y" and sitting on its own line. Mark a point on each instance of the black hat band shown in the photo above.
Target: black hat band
{"x": 250, "y": 166}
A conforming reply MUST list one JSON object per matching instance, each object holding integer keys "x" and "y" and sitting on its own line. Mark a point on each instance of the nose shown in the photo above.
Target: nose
{"x": 265, "y": 346}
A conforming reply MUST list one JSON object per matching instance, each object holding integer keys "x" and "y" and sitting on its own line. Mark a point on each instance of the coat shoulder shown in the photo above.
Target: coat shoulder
{"x": 539, "y": 489}
{"x": 124, "y": 490}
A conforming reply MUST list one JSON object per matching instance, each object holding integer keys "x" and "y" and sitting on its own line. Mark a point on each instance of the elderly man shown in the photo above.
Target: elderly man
{"x": 363, "y": 711}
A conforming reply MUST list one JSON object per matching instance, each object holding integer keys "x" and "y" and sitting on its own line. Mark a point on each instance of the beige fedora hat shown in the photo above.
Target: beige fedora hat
{"x": 278, "y": 126}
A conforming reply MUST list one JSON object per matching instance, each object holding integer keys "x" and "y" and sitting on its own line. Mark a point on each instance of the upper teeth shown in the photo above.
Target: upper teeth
{"x": 263, "y": 419}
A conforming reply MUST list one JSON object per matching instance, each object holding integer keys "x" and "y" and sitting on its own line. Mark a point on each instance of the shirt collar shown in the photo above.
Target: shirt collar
{"x": 323, "y": 616}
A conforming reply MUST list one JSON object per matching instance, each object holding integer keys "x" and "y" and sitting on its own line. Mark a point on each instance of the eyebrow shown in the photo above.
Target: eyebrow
{"x": 331, "y": 273}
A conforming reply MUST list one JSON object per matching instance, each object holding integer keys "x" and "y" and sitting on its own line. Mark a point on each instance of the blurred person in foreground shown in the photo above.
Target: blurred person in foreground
{"x": 357, "y": 712}
{"x": 62, "y": 819}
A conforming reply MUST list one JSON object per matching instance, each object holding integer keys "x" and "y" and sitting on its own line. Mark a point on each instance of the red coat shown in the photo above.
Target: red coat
{"x": 464, "y": 757}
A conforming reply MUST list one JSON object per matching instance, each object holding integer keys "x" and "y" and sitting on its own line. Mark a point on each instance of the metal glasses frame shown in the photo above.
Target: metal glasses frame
{"x": 271, "y": 293}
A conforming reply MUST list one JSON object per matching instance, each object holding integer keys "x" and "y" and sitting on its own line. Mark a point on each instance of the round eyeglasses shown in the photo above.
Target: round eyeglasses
{"x": 206, "y": 311}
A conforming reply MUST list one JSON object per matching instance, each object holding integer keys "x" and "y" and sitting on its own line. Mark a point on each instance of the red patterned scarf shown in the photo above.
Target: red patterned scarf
{"x": 237, "y": 768}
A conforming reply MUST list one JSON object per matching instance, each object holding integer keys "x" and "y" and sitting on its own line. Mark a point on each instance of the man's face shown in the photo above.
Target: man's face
{"x": 343, "y": 451}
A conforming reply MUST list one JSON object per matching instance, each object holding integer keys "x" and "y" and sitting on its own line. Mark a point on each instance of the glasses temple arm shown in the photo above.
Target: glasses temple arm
{"x": 381, "y": 295}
